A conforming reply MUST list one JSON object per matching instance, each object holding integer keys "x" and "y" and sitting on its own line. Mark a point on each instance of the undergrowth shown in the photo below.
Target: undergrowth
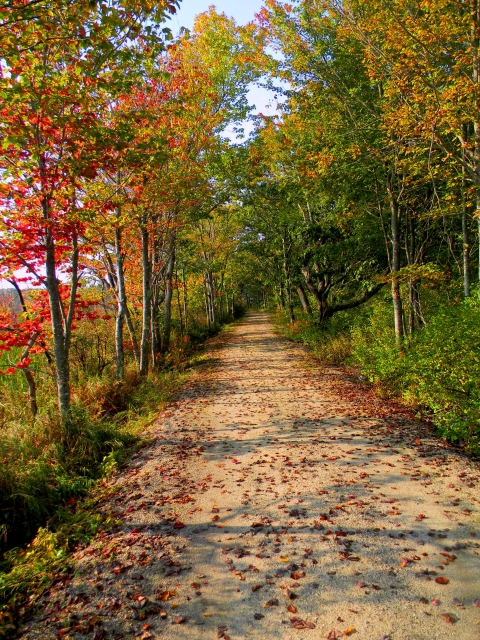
{"x": 51, "y": 471}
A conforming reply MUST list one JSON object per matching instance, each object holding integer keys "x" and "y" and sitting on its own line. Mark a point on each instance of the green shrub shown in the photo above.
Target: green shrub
{"x": 374, "y": 349}
{"x": 443, "y": 371}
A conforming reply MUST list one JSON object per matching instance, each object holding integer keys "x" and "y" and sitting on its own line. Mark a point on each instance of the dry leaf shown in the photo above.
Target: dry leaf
{"x": 448, "y": 617}
{"x": 298, "y": 623}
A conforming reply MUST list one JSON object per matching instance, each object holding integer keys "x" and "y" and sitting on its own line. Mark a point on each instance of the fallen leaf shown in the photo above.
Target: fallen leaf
{"x": 442, "y": 580}
{"x": 271, "y": 603}
{"x": 349, "y": 631}
{"x": 298, "y": 623}
{"x": 296, "y": 575}
{"x": 448, "y": 617}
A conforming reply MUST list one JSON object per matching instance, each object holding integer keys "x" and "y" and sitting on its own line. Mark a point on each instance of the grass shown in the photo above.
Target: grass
{"x": 51, "y": 481}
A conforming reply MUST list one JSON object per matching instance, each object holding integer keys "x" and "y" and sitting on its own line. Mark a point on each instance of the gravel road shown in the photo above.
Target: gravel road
{"x": 279, "y": 499}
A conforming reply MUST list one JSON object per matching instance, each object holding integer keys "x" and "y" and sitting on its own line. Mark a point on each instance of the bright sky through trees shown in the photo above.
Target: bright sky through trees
{"x": 243, "y": 12}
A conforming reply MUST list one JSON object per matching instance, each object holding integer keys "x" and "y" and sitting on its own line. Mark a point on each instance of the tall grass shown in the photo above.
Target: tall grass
{"x": 49, "y": 469}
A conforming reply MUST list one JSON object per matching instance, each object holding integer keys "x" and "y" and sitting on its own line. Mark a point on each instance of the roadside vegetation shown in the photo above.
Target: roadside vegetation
{"x": 435, "y": 371}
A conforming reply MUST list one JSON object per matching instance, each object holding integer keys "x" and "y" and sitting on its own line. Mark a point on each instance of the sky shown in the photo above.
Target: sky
{"x": 243, "y": 11}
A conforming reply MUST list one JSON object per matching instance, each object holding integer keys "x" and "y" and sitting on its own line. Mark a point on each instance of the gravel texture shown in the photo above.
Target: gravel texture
{"x": 280, "y": 499}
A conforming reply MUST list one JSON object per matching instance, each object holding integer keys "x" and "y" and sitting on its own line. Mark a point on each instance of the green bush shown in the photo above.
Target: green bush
{"x": 374, "y": 348}
{"x": 443, "y": 371}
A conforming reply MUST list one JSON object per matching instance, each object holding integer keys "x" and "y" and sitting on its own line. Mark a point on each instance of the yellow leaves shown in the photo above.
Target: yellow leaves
{"x": 429, "y": 272}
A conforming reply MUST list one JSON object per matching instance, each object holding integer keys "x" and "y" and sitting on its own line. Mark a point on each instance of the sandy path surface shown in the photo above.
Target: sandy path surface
{"x": 280, "y": 500}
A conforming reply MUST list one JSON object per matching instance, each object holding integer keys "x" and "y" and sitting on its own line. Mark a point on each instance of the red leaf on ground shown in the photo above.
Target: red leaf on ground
{"x": 448, "y": 617}
{"x": 298, "y": 623}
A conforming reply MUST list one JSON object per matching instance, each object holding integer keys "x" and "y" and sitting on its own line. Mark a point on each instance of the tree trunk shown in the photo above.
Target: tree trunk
{"x": 476, "y": 124}
{"x": 210, "y": 295}
{"x": 288, "y": 290}
{"x": 396, "y": 294}
{"x": 121, "y": 305}
{"x": 280, "y": 297}
{"x": 179, "y": 304}
{"x": 167, "y": 320}
{"x": 60, "y": 342}
{"x": 146, "y": 302}
{"x": 133, "y": 337}
{"x": 185, "y": 300}
{"x": 320, "y": 293}
{"x": 303, "y": 299}
{"x": 466, "y": 256}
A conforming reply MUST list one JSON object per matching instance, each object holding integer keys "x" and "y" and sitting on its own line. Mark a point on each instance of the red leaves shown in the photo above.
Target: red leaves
{"x": 442, "y": 580}
{"x": 448, "y": 618}
{"x": 298, "y": 623}
{"x": 178, "y": 525}
{"x": 296, "y": 575}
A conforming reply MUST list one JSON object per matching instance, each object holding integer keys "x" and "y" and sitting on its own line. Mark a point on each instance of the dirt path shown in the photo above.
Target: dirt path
{"x": 278, "y": 501}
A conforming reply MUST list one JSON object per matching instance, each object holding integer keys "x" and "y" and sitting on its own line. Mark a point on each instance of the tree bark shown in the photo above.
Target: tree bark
{"x": 288, "y": 289}
{"x": 146, "y": 302}
{"x": 476, "y": 124}
{"x": 303, "y": 299}
{"x": 121, "y": 305}
{"x": 396, "y": 293}
{"x": 185, "y": 300}
{"x": 466, "y": 256}
{"x": 167, "y": 319}
{"x": 61, "y": 324}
